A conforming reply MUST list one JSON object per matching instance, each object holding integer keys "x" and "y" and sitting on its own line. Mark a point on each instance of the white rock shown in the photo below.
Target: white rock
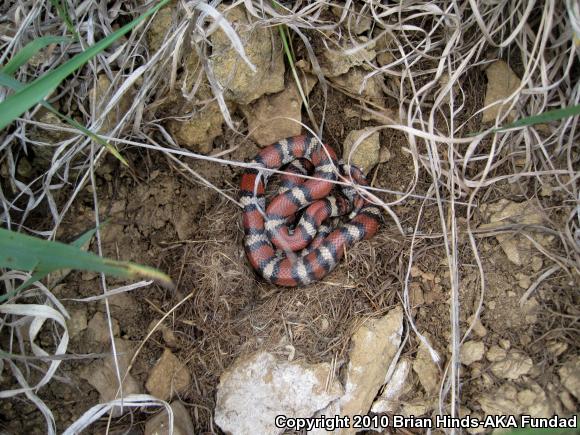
{"x": 514, "y": 365}
{"x": 388, "y": 400}
{"x": 518, "y": 249}
{"x": 374, "y": 345}
{"x": 257, "y": 388}
{"x": 570, "y": 376}
{"x": 535, "y": 402}
{"x": 426, "y": 370}
{"x": 501, "y": 402}
{"x": 471, "y": 351}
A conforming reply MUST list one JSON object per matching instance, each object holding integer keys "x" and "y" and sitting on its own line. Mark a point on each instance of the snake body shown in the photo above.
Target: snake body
{"x": 313, "y": 249}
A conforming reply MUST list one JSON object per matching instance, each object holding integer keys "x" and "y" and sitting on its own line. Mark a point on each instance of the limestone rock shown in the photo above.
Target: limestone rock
{"x": 388, "y": 401}
{"x": 570, "y": 376}
{"x": 426, "y": 370}
{"x": 518, "y": 249}
{"x": 101, "y": 95}
{"x": 354, "y": 81}
{"x": 264, "y": 128}
{"x": 471, "y": 351}
{"x": 374, "y": 345}
{"x": 535, "y": 402}
{"x": 159, "y": 27}
{"x": 514, "y": 365}
{"x": 199, "y": 130}
{"x": 257, "y": 388}
{"x": 264, "y": 51}
{"x": 120, "y": 304}
{"x": 159, "y": 424}
{"x": 504, "y": 401}
{"x": 169, "y": 376}
{"x": 334, "y": 62}
{"x": 98, "y": 328}
{"x": 501, "y": 83}
{"x": 77, "y": 322}
{"x": 366, "y": 154}
{"x": 357, "y": 22}
{"x": 102, "y": 375}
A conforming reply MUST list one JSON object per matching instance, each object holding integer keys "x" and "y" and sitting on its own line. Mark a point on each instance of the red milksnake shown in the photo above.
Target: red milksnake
{"x": 270, "y": 245}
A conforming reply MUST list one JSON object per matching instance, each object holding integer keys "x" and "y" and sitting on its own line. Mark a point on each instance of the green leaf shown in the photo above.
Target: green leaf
{"x": 23, "y": 252}
{"x": 19, "y": 102}
{"x": 551, "y": 115}
{"x": 11, "y": 83}
{"x": 30, "y": 50}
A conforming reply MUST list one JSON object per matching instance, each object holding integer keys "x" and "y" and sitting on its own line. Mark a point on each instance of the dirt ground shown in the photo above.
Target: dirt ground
{"x": 159, "y": 215}
{"x": 233, "y": 312}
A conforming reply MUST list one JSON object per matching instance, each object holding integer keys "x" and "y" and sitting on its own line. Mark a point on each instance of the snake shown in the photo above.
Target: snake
{"x": 291, "y": 254}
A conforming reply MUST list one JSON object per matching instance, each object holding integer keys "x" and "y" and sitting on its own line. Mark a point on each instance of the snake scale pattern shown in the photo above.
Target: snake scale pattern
{"x": 313, "y": 248}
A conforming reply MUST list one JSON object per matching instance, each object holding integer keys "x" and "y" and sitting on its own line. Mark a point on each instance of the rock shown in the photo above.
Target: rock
{"x": 120, "y": 304}
{"x": 416, "y": 408}
{"x": 388, "y": 401}
{"x": 264, "y": 129}
{"x": 102, "y": 375}
{"x": 198, "y": 131}
{"x": 182, "y": 424}
{"x": 530, "y": 310}
{"x": 478, "y": 328}
{"x": 501, "y": 402}
{"x": 98, "y": 329}
{"x": 567, "y": 400}
{"x": 471, "y": 351}
{"x": 557, "y": 348}
{"x": 357, "y": 22}
{"x": 168, "y": 336}
{"x": 257, "y": 388}
{"x": 354, "y": 82}
{"x": 518, "y": 249}
{"x": 265, "y": 52}
{"x": 77, "y": 322}
{"x": 168, "y": 377}
{"x": 513, "y": 365}
{"x": 524, "y": 281}
{"x": 374, "y": 345}
{"x": 194, "y": 119}
{"x": 501, "y": 83}
{"x": 334, "y": 62}
{"x": 426, "y": 370}
{"x": 570, "y": 376}
{"x": 159, "y": 28}
{"x": 535, "y": 402}
{"x": 366, "y": 154}
{"x": 384, "y": 155}
{"x": 101, "y": 95}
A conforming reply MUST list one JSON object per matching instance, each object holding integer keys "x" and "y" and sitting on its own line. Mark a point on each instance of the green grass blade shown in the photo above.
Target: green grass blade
{"x": 23, "y": 252}
{"x": 62, "y": 10}
{"x": 19, "y": 102}
{"x": 14, "y": 84}
{"x": 551, "y": 115}
{"x": 30, "y": 50}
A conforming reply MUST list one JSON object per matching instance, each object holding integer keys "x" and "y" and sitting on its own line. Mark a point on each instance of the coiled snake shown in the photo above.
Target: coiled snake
{"x": 312, "y": 249}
